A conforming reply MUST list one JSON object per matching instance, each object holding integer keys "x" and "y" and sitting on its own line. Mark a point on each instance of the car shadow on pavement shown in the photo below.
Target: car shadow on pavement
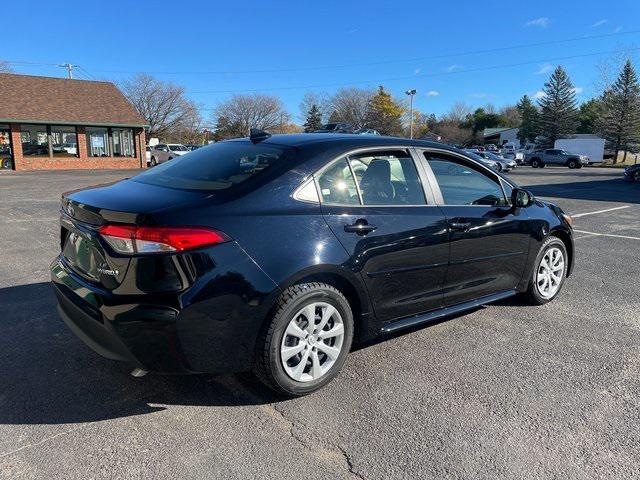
{"x": 614, "y": 190}
{"x": 48, "y": 376}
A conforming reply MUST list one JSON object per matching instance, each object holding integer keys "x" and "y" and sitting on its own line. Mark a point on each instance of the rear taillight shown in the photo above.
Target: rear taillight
{"x": 133, "y": 239}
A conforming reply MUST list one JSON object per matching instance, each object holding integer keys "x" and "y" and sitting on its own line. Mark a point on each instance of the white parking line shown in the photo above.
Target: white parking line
{"x": 594, "y": 234}
{"x": 599, "y": 211}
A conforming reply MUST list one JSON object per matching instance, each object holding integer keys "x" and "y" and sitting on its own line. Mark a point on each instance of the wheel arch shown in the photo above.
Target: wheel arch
{"x": 349, "y": 284}
{"x": 568, "y": 245}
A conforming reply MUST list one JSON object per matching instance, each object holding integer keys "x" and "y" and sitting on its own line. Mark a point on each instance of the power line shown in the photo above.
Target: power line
{"x": 381, "y": 62}
{"x": 393, "y": 79}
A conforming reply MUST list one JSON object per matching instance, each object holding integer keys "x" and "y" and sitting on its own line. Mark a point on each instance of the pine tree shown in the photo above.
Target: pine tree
{"x": 530, "y": 125}
{"x": 621, "y": 119}
{"x": 558, "y": 112}
{"x": 314, "y": 119}
{"x": 385, "y": 114}
{"x": 589, "y": 116}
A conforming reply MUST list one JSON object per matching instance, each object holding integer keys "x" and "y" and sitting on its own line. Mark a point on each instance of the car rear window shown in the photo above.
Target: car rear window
{"x": 217, "y": 167}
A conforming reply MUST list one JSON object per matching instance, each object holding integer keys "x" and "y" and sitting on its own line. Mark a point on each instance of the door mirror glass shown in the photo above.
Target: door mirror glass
{"x": 521, "y": 198}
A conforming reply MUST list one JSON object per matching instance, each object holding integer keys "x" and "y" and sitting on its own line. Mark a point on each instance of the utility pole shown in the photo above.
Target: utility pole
{"x": 411, "y": 93}
{"x": 69, "y": 67}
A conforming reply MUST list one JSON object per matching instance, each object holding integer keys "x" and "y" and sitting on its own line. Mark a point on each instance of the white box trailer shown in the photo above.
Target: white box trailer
{"x": 590, "y": 145}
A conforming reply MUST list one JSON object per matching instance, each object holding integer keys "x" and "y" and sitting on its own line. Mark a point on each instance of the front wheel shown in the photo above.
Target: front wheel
{"x": 306, "y": 343}
{"x": 549, "y": 272}
{"x": 572, "y": 164}
{"x": 535, "y": 163}
{"x": 153, "y": 162}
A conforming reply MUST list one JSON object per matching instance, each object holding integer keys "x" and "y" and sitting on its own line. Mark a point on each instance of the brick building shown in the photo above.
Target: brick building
{"x": 55, "y": 123}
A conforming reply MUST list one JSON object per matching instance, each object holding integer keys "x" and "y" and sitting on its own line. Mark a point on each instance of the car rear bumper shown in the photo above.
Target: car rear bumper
{"x": 210, "y": 327}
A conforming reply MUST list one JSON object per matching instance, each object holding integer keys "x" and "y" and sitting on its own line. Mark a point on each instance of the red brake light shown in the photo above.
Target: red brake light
{"x": 137, "y": 239}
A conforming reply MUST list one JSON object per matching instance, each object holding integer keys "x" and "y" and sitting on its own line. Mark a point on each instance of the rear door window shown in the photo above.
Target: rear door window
{"x": 218, "y": 167}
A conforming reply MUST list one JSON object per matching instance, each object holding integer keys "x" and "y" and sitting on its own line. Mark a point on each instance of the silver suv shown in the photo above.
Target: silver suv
{"x": 554, "y": 156}
{"x": 163, "y": 152}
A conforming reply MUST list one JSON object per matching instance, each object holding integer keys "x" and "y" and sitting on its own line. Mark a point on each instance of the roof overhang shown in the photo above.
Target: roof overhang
{"x": 72, "y": 123}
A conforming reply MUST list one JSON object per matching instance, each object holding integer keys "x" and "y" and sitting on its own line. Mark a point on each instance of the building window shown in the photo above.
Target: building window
{"x": 98, "y": 142}
{"x": 123, "y": 145}
{"x": 35, "y": 140}
{"x": 64, "y": 141}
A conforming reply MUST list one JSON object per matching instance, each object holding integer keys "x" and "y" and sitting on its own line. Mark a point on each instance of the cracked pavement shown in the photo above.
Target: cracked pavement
{"x": 506, "y": 391}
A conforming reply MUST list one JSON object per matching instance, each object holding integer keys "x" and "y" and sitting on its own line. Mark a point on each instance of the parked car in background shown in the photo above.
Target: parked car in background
{"x": 339, "y": 127}
{"x": 632, "y": 173}
{"x": 163, "y": 152}
{"x": 554, "y": 156}
{"x": 275, "y": 254}
{"x": 475, "y": 155}
{"x": 500, "y": 164}
{"x": 193, "y": 146}
{"x": 491, "y": 147}
{"x": 367, "y": 131}
{"x": 147, "y": 155}
{"x": 505, "y": 164}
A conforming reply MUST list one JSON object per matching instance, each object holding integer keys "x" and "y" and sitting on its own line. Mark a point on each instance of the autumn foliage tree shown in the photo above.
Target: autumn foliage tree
{"x": 385, "y": 114}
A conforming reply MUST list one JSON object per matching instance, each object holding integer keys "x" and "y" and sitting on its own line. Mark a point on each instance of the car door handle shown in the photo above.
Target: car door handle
{"x": 361, "y": 227}
{"x": 460, "y": 226}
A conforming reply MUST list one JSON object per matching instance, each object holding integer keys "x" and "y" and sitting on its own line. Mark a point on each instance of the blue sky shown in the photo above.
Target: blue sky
{"x": 215, "y": 48}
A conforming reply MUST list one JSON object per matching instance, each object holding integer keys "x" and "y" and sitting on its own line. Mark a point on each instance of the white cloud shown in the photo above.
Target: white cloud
{"x": 433, "y": 93}
{"x": 599, "y": 23}
{"x": 617, "y": 29}
{"x": 544, "y": 68}
{"x": 578, "y": 90}
{"x": 417, "y": 71}
{"x": 539, "y": 94}
{"x": 542, "y": 22}
{"x": 453, "y": 68}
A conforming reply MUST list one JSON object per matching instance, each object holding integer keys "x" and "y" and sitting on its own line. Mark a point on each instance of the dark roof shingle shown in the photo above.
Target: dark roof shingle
{"x": 28, "y": 98}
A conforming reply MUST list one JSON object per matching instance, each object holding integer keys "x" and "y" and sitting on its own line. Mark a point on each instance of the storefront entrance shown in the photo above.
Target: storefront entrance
{"x": 6, "y": 157}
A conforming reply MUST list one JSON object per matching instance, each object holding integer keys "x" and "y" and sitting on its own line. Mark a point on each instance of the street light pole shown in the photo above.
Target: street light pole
{"x": 411, "y": 93}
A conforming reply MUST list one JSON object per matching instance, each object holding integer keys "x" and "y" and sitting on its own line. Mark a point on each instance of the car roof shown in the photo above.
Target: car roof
{"x": 346, "y": 140}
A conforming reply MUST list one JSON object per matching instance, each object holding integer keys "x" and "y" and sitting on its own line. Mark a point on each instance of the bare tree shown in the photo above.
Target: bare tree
{"x": 4, "y": 67}
{"x": 609, "y": 67}
{"x": 351, "y": 105}
{"x": 162, "y": 104}
{"x": 240, "y": 113}
{"x": 322, "y": 101}
{"x": 458, "y": 113}
{"x": 512, "y": 115}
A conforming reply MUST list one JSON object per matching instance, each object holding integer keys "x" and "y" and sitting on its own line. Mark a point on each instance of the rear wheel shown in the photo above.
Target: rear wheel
{"x": 306, "y": 343}
{"x": 549, "y": 272}
{"x": 153, "y": 162}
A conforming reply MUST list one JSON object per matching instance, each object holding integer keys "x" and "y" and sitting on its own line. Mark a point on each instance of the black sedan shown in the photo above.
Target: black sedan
{"x": 276, "y": 253}
{"x": 632, "y": 173}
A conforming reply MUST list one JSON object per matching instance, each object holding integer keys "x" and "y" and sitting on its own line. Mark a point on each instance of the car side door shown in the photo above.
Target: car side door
{"x": 489, "y": 239}
{"x": 396, "y": 238}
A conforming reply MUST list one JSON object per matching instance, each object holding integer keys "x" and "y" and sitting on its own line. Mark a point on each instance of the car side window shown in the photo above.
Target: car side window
{"x": 337, "y": 186}
{"x": 460, "y": 184}
{"x": 387, "y": 178}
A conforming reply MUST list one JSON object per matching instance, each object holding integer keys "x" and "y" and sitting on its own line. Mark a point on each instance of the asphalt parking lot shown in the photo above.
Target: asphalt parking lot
{"x": 505, "y": 391}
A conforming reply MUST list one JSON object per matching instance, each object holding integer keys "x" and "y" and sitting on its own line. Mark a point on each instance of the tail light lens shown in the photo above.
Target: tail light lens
{"x": 131, "y": 239}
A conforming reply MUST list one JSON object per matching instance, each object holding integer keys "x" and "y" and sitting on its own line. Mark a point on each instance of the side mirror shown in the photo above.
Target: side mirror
{"x": 521, "y": 198}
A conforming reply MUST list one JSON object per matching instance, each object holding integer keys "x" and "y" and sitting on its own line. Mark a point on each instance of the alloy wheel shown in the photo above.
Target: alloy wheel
{"x": 312, "y": 342}
{"x": 550, "y": 272}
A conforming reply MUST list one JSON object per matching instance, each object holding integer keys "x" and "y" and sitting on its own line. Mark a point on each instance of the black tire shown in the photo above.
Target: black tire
{"x": 498, "y": 167}
{"x": 532, "y": 295}
{"x": 153, "y": 162}
{"x": 536, "y": 163}
{"x": 572, "y": 164}
{"x": 268, "y": 366}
